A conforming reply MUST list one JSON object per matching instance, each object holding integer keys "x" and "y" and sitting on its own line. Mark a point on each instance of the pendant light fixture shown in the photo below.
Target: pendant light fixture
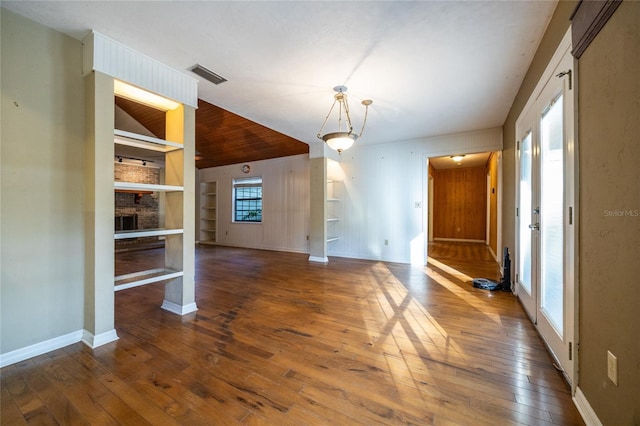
{"x": 344, "y": 137}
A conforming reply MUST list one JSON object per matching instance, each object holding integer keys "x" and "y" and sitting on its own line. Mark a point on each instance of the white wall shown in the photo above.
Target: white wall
{"x": 42, "y": 185}
{"x": 380, "y": 187}
{"x": 285, "y": 215}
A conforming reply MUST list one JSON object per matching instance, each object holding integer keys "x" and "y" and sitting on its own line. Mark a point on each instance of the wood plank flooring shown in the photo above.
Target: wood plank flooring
{"x": 278, "y": 340}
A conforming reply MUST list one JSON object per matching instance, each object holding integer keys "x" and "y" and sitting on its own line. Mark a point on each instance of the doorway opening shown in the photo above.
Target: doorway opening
{"x": 464, "y": 209}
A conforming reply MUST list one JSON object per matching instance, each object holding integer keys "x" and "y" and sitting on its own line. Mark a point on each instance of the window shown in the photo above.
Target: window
{"x": 247, "y": 199}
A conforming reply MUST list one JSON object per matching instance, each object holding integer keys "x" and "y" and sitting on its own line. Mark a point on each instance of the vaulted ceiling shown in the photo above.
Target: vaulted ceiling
{"x": 221, "y": 137}
{"x": 431, "y": 67}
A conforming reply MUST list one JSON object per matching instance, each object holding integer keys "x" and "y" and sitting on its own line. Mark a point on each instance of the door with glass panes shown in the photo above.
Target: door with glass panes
{"x": 544, "y": 258}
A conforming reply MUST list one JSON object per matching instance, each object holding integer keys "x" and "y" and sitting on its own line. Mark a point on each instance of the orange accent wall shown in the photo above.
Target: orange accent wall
{"x": 460, "y": 203}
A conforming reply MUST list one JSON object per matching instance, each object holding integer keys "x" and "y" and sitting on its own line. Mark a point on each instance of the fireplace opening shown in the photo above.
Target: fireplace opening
{"x": 126, "y": 222}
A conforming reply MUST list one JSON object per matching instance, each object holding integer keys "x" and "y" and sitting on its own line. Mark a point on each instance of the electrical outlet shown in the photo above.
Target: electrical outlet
{"x": 386, "y": 242}
{"x": 612, "y": 367}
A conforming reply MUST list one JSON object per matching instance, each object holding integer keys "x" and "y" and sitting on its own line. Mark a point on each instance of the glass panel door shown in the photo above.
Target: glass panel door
{"x": 546, "y": 197}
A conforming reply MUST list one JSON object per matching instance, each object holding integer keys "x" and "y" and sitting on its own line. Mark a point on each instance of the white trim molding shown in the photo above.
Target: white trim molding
{"x": 588, "y": 415}
{"x": 318, "y": 259}
{"x": 179, "y": 309}
{"x": 110, "y": 57}
{"x": 93, "y": 341}
{"x": 460, "y": 240}
{"x": 40, "y": 348}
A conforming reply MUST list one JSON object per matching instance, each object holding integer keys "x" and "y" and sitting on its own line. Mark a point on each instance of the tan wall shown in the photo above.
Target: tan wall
{"x": 460, "y": 203}
{"x": 609, "y": 159}
{"x": 42, "y": 184}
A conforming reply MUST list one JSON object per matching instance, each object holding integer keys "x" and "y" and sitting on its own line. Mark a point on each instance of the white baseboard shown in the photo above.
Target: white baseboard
{"x": 459, "y": 240}
{"x": 40, "y": 348}
{"x": 588, "y": 415}
{"x": 93, "y": 341}
{"x": 318, "y": 259}
{"x": 179, "y": 309}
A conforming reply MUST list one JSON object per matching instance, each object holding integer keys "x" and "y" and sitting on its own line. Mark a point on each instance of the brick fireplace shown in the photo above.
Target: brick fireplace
{"x": 135, "y": 210}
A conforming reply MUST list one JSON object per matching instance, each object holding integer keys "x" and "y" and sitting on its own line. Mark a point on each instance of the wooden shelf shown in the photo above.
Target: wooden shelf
{"x": 146, "y": 187}
{"x": 122, "y": 137}
{"x": 150, "y": 276}
{"x": 208, "y": 212}
{"x": 139, "y": 233}
{"x": 332, "y": 210}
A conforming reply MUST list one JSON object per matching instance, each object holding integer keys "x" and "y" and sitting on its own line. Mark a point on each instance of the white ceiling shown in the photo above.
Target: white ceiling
{"x": 431, "y": 67}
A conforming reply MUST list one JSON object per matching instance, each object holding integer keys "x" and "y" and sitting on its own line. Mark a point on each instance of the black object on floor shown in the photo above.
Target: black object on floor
{"x": 486, "y": 284}
{"x": 506, "y": 271}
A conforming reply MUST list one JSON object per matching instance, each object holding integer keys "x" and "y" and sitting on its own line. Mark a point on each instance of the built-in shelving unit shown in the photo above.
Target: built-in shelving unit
{"x": 136, "y": 279}
{"x": 333, "y": 210}
{"x": 208, "y": 212}
{"x": 112, "y": 70}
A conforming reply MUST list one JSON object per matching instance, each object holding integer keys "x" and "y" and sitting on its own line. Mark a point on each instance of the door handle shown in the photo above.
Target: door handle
{"x": 535, "y": 226}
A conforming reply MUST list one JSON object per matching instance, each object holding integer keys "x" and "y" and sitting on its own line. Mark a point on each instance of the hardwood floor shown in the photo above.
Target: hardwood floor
{"x": 279, "y": 340}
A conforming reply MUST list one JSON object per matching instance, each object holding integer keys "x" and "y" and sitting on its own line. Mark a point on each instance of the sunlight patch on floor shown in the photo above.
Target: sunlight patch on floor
{"x": 409, "y": 329}
{"x": 477, "y": 303}
{"x": 449, "y": 270}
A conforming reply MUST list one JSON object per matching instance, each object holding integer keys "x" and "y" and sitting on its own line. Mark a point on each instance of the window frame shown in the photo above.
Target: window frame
{"x": 247, "y": 182}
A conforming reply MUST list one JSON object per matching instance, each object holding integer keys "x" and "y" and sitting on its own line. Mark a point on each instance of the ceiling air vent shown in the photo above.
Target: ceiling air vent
{"x": 207, "y": 74}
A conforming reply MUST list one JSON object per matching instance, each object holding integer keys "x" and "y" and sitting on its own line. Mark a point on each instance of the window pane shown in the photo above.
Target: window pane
{"x": 525, "y": 213}
{"x": 551, "y": 215}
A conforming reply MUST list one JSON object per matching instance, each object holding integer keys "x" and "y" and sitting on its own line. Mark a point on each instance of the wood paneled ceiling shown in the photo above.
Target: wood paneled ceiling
{"x": 221, "y": 137}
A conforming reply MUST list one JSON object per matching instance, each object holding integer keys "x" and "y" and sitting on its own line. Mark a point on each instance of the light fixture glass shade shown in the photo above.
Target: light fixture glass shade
{"x": 457, "y": 158}
{"x": 340, "y": 141}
